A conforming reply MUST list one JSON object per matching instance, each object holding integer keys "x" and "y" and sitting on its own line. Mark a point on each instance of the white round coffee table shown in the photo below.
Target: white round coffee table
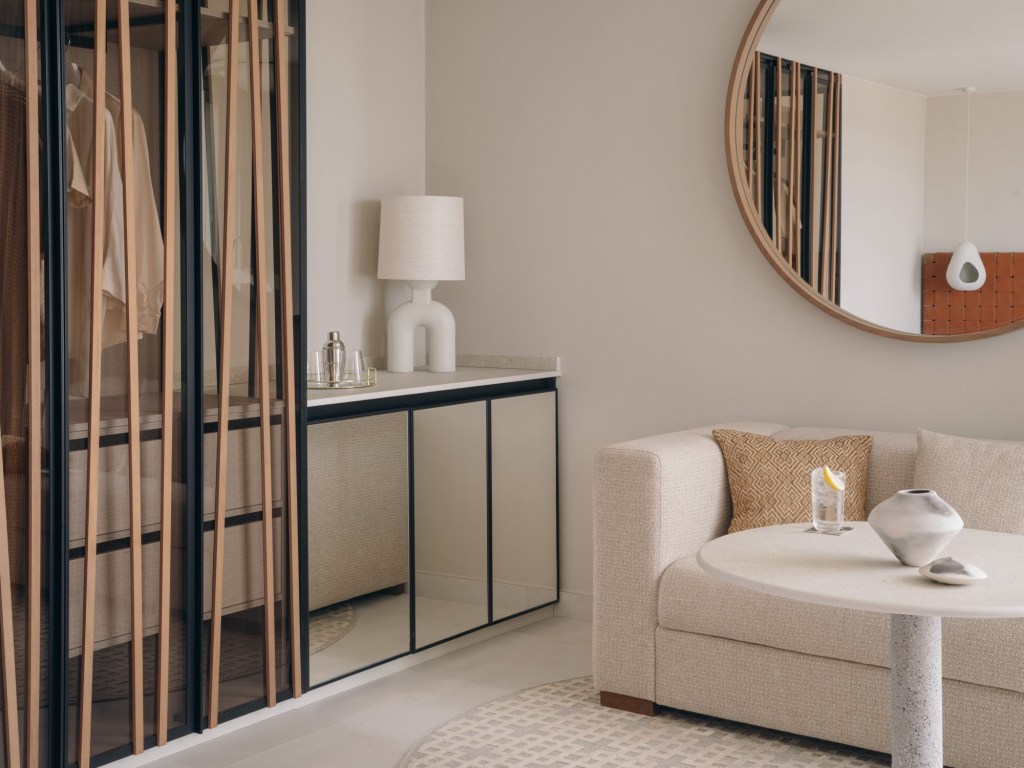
{"x": 857, "y": 571}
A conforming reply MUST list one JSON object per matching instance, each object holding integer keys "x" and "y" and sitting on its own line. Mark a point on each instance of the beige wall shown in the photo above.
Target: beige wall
{"x": 997, "y": 172}
{"x": 586, "y": 137}
{"x": 365, "y": 140}
{"x": 883, "y": 153}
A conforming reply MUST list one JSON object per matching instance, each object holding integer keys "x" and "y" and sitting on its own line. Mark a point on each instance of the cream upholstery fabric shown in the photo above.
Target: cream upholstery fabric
{"x": 828, "y": 698}
{"x": 692, "y": 600}
{"x": 655, "y": 500}
{"x": 982, "y": 479}
{"x": 664, "y": 631}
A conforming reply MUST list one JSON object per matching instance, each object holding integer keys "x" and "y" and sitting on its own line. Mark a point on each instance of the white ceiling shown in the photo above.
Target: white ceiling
{"x": 924, "y": 46}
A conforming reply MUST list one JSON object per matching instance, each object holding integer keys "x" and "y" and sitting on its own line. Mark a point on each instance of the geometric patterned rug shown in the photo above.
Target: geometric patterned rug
{"x": 563, "y": 725}
{"x": 328, "y": 625}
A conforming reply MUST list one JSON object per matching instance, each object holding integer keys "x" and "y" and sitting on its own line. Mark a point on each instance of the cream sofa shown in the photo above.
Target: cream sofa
{"x": 666, "y": 633}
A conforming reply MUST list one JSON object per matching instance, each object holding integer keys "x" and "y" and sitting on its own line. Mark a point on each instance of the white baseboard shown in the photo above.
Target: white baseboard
{"x": 575, "y": 605}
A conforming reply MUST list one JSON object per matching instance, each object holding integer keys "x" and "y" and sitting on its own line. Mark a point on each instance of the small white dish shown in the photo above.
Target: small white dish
{"x": 946, "y": 570}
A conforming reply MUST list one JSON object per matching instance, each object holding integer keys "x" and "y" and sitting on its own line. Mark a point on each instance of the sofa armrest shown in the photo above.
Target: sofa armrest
{"x": 655, "y": 500}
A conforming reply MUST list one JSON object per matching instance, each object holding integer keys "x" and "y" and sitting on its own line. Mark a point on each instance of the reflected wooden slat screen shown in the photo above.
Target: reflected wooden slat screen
{"x": 95, "y": 363}
{"x": 288, "y": 336}
{"x": 793, "y": 164}
{"x": 33, "y": 625}
{"x": 224, "y": 373}
{"x": 263, "y": 358}
{"x": 167, "y": 383}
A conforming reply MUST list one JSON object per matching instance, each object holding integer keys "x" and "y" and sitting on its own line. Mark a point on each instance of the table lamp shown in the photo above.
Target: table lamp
{"x": 421, "y": 242}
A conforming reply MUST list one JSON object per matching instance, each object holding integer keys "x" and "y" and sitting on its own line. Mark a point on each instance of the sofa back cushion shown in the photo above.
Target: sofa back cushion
{"x": 891, "y": 467}
{"x": 770, "y": 480}
{"x": 982, "y": 479}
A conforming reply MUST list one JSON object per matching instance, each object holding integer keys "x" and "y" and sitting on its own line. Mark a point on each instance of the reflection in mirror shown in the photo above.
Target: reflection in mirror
{"x": 358, "y": 543}
{"x": 524, "y": 499}
{"x": 450, "y": 453}
{"x": 870, "y": 224}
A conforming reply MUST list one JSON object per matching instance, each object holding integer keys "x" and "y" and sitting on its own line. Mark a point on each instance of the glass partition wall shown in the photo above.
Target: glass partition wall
{"x": 148, "y": 408}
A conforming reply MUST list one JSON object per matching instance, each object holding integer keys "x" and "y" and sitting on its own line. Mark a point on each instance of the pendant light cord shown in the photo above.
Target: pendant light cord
{"x": 967, "y": 166}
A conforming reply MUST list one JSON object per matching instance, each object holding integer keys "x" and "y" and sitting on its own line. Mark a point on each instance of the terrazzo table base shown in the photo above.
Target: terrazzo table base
{"x": 916, "y": 662}
{"x": 858, "y": 571}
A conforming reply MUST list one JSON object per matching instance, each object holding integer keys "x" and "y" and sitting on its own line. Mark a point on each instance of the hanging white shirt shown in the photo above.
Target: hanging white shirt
{"x": 149, "y": 241}
{"x": 80, "y": 110}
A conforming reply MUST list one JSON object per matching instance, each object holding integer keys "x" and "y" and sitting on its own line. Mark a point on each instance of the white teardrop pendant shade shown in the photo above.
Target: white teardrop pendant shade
{"x": 966, "y": 271}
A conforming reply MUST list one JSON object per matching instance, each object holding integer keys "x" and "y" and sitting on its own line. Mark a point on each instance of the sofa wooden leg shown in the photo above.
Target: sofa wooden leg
{"x": 629, "y": 703}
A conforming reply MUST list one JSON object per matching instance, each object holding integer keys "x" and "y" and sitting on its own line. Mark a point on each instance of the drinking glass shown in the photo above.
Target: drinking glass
{"x": 355, "y": 374}
{"x": 315, "y": 373}
{"x": 826, "y": 502}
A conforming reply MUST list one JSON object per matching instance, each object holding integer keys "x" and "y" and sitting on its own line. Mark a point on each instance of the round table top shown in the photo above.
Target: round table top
{"x": 856, "y": 570}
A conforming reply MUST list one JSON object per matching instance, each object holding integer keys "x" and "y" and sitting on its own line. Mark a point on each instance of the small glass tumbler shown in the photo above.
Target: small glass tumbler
{"x": 315, "y": 373}
{"x": 826, "y": 502}
{"x": 355, "y": 374}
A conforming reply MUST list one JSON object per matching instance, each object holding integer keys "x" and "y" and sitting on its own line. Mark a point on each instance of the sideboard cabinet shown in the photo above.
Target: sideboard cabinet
{"x": 430, "y": 513}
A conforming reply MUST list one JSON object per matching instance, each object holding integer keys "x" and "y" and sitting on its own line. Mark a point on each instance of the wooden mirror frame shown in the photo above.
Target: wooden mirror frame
{"x": 733, "y": 118}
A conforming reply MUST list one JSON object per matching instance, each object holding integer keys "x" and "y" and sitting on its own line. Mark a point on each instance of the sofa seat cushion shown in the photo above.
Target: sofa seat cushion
{"x": 980, "y": 651}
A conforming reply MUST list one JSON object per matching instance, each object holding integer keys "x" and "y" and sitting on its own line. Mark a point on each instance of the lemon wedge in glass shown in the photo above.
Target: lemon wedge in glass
{"x": 831, "y": 480}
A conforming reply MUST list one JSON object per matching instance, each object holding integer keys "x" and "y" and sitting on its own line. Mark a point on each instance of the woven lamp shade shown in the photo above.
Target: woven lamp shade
{"x": 421, "y": 238}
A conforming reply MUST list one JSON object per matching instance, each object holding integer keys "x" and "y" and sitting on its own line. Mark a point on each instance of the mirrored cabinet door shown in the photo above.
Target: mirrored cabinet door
{"x": 359, "y": 611}
{"x": 524, "y": 502}
{"x": 450, "y": 507}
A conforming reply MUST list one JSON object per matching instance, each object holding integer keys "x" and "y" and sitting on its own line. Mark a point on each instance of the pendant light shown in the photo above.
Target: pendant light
{"x": 966, "y": 271}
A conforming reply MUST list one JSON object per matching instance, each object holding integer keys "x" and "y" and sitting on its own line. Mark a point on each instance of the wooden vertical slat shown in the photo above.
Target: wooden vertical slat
{"x": 826, "y": 168}
{"x": 758, "y": 140}
{"x": 11, "y": 727}
{"x": 12, "y": 746}
{"x": 813, "y": 189}
{"x": 263, "y": 357}
{"x": 791, "y": 197}
{"x": 167, "y": 383}
{"x": 777, "y": 155}
{"x": 288, "y": 335}
{"x": 33, "y": 625}
{"x": 95, "y": 369}
{"x": 798, "y": 152}
{"x": 127, "y": 153}
{"x": 224, "y": 374}
{"x": 834, "y": 192}
{"x": 752, "y": 113}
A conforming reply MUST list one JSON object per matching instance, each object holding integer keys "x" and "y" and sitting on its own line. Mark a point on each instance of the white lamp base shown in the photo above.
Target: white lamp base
{"x": 435, "y": 317}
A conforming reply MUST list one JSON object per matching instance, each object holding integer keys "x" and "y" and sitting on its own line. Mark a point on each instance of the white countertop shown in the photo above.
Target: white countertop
{"x": 423, "y": 381}
{"x": 858, "y": 571}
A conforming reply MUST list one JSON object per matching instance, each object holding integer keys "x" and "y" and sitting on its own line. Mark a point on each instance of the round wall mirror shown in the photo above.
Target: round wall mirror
{"x": 874, "y": 150}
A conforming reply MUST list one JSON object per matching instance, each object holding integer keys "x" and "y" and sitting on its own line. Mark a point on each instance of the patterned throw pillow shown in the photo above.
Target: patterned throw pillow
{"x": 770, "y": 480}
{"x": 982, "y": 479}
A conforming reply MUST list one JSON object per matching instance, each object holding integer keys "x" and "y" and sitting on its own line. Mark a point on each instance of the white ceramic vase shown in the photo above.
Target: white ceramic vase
{"x": 916, "y": 524}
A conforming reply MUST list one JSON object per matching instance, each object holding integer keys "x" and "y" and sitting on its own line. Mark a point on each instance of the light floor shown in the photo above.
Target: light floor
{"x": 374, "y": 725}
